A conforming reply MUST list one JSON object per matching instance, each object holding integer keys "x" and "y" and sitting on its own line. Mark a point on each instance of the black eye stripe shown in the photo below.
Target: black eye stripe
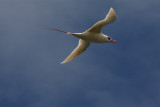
{"x": 109, "y": 38}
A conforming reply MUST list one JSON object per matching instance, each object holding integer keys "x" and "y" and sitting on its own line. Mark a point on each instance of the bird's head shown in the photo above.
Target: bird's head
{"x": 111, "y": 40}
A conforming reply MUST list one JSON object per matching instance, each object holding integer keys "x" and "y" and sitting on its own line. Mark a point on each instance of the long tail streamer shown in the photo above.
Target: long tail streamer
{"x": 56, "y": 30}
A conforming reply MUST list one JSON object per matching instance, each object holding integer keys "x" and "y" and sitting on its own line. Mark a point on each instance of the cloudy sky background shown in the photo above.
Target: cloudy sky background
{"x": 126, "y": 74}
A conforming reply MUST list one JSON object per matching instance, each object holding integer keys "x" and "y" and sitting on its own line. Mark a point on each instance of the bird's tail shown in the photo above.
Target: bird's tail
{"x": 56, "y": 30}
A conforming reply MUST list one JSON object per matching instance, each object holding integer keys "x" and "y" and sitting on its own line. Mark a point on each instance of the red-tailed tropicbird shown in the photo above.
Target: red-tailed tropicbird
{"x": 93, "y": 34}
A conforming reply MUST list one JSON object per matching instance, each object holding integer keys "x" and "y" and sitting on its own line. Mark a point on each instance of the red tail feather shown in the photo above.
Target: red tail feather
{"x": 57, "y": 30}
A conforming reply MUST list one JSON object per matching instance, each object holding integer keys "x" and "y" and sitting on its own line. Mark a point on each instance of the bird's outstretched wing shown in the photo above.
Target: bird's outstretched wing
{"x": 111, "y": 17}
{"x": 82, "y": 46}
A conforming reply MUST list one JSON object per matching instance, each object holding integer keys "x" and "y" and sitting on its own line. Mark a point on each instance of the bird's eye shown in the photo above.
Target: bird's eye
{"x": 109, "y": 38}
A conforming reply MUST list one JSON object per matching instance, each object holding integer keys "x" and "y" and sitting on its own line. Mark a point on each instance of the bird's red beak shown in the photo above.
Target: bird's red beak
{"x": 114, "y": 41}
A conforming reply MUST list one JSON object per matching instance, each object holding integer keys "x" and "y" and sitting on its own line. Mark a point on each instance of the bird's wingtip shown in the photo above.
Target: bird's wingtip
{"x": 62, "y": 62}
{"x": 111, "y": 8}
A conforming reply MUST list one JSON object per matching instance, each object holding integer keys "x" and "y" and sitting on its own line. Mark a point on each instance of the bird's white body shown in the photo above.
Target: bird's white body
{"x": 93, "y": 34}
{"x": 91, "y": 37}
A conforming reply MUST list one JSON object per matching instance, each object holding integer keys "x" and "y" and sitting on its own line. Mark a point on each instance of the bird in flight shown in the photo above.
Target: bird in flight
{"x": 93, "y": 34}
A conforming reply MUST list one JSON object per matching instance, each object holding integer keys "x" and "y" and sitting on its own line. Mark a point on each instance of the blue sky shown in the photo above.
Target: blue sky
{"x": 106, "y": 75}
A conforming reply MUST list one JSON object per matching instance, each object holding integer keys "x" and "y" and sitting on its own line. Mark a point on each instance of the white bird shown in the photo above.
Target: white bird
{"x": 93, "y": 34}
